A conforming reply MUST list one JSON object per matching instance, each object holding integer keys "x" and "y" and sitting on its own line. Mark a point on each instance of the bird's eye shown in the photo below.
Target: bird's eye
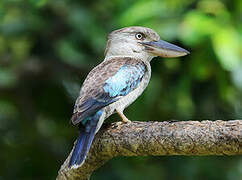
{"x": 139, "y": 36}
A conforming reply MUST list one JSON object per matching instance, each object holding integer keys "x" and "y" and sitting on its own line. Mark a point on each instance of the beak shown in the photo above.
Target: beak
{"x": 164, "y": 49}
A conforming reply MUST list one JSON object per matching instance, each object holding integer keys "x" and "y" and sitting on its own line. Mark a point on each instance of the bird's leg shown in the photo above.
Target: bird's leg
{"x": 123, "y": 117}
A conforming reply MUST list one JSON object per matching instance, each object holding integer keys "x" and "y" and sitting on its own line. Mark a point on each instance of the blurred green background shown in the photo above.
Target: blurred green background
{"x": 47, "y": 47}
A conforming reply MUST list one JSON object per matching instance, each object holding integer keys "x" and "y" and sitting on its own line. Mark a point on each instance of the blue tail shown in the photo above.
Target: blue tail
{"x": 84, "y": 140}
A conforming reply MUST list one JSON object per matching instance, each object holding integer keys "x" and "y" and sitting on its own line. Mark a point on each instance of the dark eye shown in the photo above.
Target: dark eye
{"x": 139, "y": 36}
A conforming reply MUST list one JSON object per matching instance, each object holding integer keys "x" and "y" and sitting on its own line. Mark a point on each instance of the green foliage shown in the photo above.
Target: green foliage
{"x": 47, "y": 47}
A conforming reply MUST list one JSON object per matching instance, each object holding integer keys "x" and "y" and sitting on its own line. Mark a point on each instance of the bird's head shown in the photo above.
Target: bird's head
{"x": 140, "y": 42}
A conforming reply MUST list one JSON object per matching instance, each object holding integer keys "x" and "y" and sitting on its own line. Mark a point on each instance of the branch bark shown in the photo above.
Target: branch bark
{"x": 190, "y": 138}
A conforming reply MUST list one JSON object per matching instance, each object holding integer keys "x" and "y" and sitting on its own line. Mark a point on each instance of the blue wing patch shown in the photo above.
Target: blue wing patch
{"x": 124, "y": 81}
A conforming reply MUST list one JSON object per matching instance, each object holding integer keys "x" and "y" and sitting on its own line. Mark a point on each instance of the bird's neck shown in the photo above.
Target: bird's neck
{"x": 143, "y": 58}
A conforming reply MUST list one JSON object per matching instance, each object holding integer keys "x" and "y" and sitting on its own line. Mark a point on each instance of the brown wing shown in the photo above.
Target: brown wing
{"x": 92, "y": 95}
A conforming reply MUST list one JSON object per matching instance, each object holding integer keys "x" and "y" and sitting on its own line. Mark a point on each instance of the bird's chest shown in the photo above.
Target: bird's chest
{"x": 125, "y": 101}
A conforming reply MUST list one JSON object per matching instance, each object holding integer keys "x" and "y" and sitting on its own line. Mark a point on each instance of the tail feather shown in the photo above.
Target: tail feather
{"x": 81, "y": 149}
{"x": 84, "y": 141}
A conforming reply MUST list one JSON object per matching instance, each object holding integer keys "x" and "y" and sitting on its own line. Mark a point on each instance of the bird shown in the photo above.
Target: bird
{"x": 116, "y": 82}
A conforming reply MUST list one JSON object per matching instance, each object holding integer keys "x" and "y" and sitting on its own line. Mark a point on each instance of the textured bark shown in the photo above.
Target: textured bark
{"x": 158, "y": 139}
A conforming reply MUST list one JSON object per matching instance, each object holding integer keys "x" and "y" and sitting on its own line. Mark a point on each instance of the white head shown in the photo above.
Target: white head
{"x": 140, "y": 42}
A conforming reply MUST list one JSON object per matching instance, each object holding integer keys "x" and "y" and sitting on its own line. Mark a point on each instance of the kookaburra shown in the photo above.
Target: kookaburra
{"x": 116, "y": 82}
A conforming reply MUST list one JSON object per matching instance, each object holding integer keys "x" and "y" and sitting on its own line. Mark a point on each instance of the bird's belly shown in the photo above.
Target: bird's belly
{"x": 125, "y": 101}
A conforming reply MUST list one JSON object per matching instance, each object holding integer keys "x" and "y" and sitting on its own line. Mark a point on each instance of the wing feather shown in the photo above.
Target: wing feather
{"x": 107, "y": 83}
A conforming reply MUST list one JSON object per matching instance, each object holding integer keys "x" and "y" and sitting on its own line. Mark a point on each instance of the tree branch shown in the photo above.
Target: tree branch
{"x": 158, "y": 139}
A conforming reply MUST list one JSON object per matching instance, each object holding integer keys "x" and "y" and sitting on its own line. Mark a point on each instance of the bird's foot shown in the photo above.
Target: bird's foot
{"x": 123, "y": 117}
{"x": 125, "y": 120}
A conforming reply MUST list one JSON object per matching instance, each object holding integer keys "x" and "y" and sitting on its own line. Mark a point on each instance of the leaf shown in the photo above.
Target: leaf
{"x": 227, "y": 45}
